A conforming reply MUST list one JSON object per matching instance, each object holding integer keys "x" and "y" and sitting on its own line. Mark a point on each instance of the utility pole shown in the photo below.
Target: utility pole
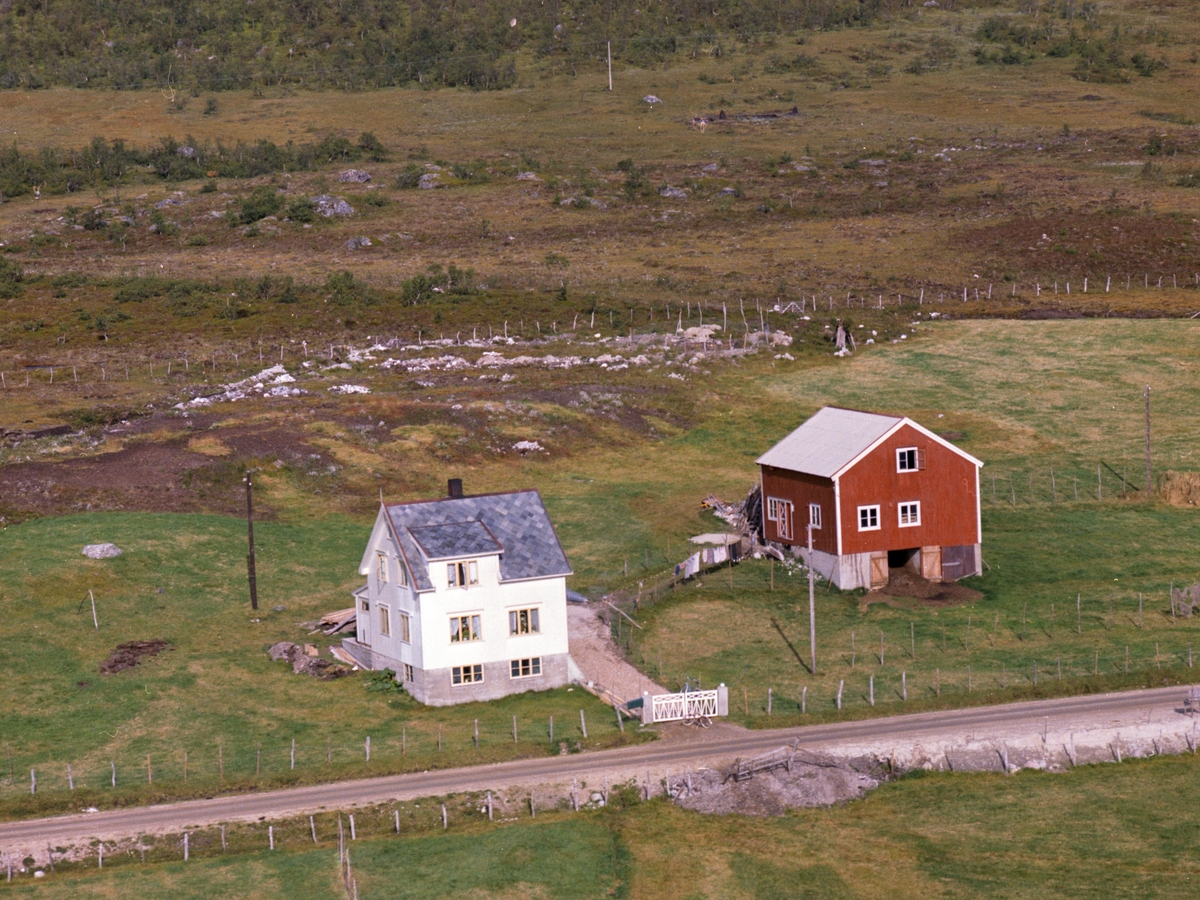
{"x": 1148, "y": 440}
{"x": 250, "y": 574}
{"x": 609, "y": 64}
{"x": 812, "y": 606}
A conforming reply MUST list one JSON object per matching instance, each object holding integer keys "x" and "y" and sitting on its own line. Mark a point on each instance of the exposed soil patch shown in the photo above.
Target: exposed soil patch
{"x": 127, "y": 655}
{"x": 816, "y": 779}
{"x": 141, "y": 477}
{"x": 908, "y": 584}
{"x": 1096, "y": 245}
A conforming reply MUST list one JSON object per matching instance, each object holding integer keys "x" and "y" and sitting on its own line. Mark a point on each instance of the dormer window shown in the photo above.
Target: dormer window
{"x": 462, "y": 574}
{"x": 381, "y": 567}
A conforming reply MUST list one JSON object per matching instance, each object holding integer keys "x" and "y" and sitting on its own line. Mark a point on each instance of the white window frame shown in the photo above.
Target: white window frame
{"x": 773, "y": 508}
{"x": 814, "y": 515}
{"x": 462, "y": 574}
{"x": 910, "y": 509}
{"x": 405, "y": 623}
{"x": 381, "y": 571}
{"x": 401, "y": 573}
{"x": 364, "y": 605}
{"x": 785, "y": 519}
{"x": 525, "y": 668}
{"x": 872, "y": 512}
{"x": 408, "y": 672}
{"x": 461, "y": 675}
{"x": 474, "y": 628}
{"x": 532, "y": 623}
{"x": 385, "y": 620}
{"x": 918, "y": 459}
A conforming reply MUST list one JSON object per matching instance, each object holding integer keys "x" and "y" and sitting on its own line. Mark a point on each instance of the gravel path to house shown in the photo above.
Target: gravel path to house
{"x": 598, "y": 656}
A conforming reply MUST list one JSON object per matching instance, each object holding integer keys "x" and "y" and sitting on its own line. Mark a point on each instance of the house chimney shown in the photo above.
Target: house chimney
{"x": 454, "y": 489}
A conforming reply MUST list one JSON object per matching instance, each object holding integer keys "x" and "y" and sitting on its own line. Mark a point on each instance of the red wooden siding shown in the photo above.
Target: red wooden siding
{"x": 945, "y": 489}
{"x": 801, "y": 490}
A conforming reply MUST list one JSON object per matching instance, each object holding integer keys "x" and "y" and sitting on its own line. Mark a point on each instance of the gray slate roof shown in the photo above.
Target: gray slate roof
{"x": 455, "y": 540}
{"x": 515, "y": 524}
{"x": 828, "y": 441}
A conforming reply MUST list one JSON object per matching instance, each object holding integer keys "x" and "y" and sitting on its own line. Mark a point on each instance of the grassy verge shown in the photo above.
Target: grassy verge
{"x": 1116, "y": 831}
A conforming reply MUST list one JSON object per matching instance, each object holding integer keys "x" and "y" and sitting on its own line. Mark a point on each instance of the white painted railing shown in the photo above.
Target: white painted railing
{"x": 685, "y": 705}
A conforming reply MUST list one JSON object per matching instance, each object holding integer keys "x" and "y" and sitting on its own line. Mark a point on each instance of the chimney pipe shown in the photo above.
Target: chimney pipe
{"x": 454, "y": 488}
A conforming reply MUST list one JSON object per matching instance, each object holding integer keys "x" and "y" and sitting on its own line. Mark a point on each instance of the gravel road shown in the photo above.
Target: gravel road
{"x": 1156, "y": 712}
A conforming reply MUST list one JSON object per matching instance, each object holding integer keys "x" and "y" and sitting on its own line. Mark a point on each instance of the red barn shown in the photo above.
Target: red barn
{"x": 880, "y": 492}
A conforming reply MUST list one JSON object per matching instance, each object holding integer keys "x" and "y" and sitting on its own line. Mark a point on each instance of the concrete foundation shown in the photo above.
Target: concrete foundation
{"x": 435, "y": 687}
{"x": 853, "y": 570}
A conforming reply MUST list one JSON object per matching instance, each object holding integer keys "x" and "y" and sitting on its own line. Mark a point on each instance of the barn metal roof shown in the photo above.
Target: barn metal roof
{"x": 831, "y": 439}
{"x": 514, "y": 524}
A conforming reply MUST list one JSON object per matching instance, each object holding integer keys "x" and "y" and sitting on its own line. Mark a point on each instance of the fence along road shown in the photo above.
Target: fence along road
{"x": 626, "y": 762}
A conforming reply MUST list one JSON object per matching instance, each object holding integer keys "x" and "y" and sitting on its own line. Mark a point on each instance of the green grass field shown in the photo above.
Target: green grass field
{"x": 214, "y": 695}
{"x": 1028, "y": 398}
{"x": 1111, "y": 831}
{"x": 1014, "y": 389}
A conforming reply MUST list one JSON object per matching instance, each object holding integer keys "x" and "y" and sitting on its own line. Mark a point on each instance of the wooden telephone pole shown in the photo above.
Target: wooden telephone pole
{"x": 812, "y": 606}
{"x": 1148, "y": 482}
{"x": 250, "y": 574}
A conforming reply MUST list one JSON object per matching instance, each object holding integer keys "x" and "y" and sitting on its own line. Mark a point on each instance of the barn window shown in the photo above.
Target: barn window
{"x": 910, "y": 459}
{"x": 466, "y": 674}
{"x": 910, "y": 514}
{"x": 868, "y": 518}
{"x": 814, "y": 515}
{"x": 773, "y": 504}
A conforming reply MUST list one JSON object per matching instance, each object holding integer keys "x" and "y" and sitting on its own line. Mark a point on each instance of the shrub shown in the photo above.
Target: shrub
{"x": 11, "y": 276}
{"x": 262, "y": 202}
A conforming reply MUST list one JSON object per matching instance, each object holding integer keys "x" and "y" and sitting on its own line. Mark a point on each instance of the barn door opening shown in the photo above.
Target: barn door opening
{"x": 905, "y": 559}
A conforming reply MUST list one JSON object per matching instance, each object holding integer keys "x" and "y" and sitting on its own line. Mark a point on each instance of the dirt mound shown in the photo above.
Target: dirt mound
{"x": 815, "y": 780}
{"x": 907, "y": 583}
{"x": 128, "y": 655}
{"x": 305, "y": 664}
{"x": 1181, "y": 488}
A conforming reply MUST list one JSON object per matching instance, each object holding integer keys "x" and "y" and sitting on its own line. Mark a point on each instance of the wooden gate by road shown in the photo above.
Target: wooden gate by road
{"x": 684, "y": 706}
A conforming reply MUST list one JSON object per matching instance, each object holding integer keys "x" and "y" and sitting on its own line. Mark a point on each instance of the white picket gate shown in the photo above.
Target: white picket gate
{"x": 685, "y": 705}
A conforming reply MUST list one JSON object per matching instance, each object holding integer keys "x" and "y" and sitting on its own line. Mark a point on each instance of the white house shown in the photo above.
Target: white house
{"x": 465, "y": 597}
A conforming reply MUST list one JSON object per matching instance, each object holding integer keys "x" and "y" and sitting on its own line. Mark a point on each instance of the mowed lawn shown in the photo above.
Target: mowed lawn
{"x": 214, "y": 694}
{"x": 1100, "y": 831}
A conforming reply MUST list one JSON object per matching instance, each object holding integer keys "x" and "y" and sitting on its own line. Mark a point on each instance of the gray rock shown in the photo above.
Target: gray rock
{"x": 727, "y": 192}
{"x": 186, "y": 152}
{"x": 651, "y": 99}
{"x": 527, "y": 176}
{"x": 711, "y": 167}
{"x": 354, "y": 176}
{"x": 329, "y": 207}
{"x": 358, "y": 243}
{"x": 284, "y": 650}
{"x": 101, "y": 551}
{"x": 429, "y": 181}
{"x": 672, "y": 193}
{"x": 169, "y": 201}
